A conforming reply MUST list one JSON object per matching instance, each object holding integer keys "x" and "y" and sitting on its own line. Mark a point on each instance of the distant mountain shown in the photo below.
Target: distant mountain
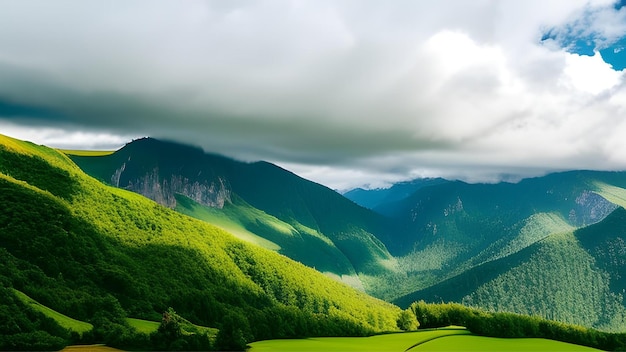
{"x": 574, "y": 277}
{"x": 260, "y": 202}
{"x": 474, "y": 243}
{"x": 377, "y": 198}
{"x": 100, "y": 254}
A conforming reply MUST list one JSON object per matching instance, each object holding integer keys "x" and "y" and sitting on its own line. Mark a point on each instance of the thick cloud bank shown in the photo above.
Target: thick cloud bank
{"x": 343, "y": 92}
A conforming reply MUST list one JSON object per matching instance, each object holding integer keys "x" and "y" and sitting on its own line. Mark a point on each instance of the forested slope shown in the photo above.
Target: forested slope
{"x": 572, "y": 277}
{"x": 290, "y": 212}
{"x": 90, "y": 251}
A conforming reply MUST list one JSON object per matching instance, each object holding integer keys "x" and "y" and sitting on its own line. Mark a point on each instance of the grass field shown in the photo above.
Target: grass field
{"x": 391, "y": 342}
{"x": 480, "y": 343}
{"x": 63, "y": 320}
{"x": 143, "y": 326}
{"x": 446, "y": 339}
{"x": 86, "y": 152}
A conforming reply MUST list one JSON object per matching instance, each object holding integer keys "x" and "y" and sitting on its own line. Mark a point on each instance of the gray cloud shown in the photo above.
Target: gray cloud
{"x": 366, "y": 91}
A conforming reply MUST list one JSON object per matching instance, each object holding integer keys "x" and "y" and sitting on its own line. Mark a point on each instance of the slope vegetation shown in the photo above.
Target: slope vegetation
{"x": 91, "y": 251}
{"x": 571, "y": 277}
{"x": 259, "y": 202}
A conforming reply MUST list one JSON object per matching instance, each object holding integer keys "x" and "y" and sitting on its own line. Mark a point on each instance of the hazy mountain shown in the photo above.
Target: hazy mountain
{"x": 377, "y": 198}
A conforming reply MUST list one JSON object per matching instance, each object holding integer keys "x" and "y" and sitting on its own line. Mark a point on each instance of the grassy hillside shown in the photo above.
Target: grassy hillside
{"x": 91, "y": 252}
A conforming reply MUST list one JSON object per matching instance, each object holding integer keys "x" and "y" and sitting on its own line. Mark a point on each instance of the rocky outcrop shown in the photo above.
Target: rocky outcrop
{"x": 590, "y": 208}
{"x": 164, "y": 189}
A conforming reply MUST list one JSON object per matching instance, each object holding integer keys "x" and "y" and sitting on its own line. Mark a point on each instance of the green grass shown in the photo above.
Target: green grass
{"x": 389, "y": 342}
{"x": 63, "y": 320}
{"x": 143, "y": 326}
{"x": 86, "y": 152}
{"x": 480, "y": 343}
{"x": 445, "y": 339}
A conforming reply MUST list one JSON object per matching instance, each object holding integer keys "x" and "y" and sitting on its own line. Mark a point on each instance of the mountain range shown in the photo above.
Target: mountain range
{"x": 552, "y": 246}
{"x": 421, "y": 239}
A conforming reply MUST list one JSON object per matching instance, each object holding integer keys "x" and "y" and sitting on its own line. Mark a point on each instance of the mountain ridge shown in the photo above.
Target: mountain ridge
{"x": 433, "y": 230}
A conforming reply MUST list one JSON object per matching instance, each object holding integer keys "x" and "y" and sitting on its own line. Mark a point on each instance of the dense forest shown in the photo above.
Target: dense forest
{"x": 97, "y": 254}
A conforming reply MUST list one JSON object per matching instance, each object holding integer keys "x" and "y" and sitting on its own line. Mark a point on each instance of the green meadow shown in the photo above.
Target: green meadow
{"x": 444, "y": 339}
{"x": 143, "y": 326}
{"x": 485, "y": 344}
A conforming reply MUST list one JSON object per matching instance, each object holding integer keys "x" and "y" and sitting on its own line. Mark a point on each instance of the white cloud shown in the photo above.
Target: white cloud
{"x": 590, "y": 74}
{"x": 345, "y": 93}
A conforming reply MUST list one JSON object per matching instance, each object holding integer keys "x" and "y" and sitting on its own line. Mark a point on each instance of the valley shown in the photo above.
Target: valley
{"x": 106, "y": 244}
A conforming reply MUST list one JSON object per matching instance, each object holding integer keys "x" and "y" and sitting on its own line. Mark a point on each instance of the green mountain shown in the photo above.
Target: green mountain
{"x": 515, "y": 247}
{"x": 258, "y": 202}
{"x": 100, "y": 254}
{"x": 574, "y": 277}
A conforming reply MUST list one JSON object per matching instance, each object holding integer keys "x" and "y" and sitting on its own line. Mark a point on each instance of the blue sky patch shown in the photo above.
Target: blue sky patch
{"x": 578, "y": 36}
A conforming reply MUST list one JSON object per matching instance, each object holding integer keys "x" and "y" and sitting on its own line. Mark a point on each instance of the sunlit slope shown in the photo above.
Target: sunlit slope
{"x": 340, "y": 237}
{"x": 79, "y": 247}
{"x": 253, "y": 225}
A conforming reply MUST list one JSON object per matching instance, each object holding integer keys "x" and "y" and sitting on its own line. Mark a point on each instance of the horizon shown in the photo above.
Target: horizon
{"x": 345, "y": 94}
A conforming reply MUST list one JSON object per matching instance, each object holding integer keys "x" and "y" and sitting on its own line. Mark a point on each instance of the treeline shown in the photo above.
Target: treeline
{"x": 510, "y": 325}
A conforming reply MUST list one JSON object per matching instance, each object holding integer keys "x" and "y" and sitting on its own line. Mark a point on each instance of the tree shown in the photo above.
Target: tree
{"x": 407, "y": 321}
{"x": 231, "y": 337}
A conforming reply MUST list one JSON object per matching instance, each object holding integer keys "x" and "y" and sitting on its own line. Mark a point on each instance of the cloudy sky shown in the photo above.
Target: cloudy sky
{"x": 347, "y": 93}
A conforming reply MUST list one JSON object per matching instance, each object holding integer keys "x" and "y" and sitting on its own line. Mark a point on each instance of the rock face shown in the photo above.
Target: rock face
{"x": 164, "y": 189}
{"x": 590, "y": 208}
